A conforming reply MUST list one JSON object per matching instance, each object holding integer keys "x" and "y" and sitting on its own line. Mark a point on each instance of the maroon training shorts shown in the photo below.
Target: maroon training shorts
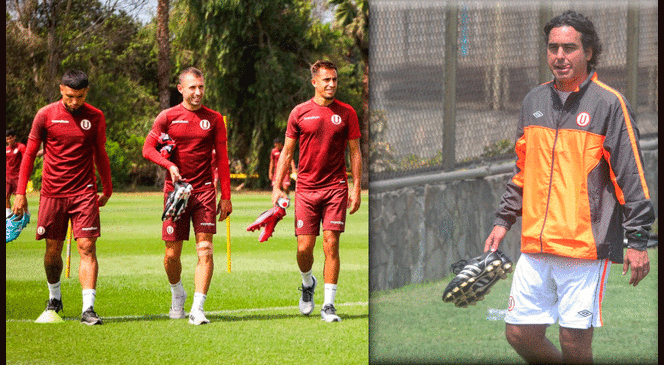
{"x": 315, "y": 206}
{"x": 201, "y": 210}
{"x": 10, "y": 186}
{"x": 54, "y": 214}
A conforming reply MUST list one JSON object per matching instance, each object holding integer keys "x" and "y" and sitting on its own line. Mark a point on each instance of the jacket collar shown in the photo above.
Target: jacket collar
{"x": 592, "y": 76}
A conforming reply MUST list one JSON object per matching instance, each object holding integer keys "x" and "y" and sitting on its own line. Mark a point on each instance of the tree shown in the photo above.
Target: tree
{"x": 46, "y": 38}
{"x": 163, "y": 64}
{"x": 255, "y": 55}
{"x": 353, "y": 17}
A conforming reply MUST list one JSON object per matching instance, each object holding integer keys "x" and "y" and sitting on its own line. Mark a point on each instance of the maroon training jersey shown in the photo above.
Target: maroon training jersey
{"x": 196, "y": 133}
{"x": 13, "y": 159}
{"x": 73, "y": 144}
{"x": 322, "y": 132}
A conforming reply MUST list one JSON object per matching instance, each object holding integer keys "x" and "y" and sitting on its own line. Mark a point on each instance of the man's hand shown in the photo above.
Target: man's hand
{"x": 224, "y": 209}
{"x": 102, "y": 199}
{"x": 495, "y": 237}
{"x": 175, "y": 173}
{"x": 640, "y": 264}
{"x": 277, "y": 193}
{"x": 354, "y": 200}
{"x": 20, "y": 205}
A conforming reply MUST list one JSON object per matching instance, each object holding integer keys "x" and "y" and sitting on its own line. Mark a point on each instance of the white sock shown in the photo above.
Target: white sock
{"x": 8, "y": 213}
{"x": 199, "y": 300}
{"x": 330, "y": 293}
{"x": 88, "y": 298}
{"x": 307, "y": 278}
{"x": 177, "y": 289}
{"x": 54, "y": 291}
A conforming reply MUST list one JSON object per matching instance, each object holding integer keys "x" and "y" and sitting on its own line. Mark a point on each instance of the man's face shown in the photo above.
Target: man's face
{"x": 325, "y": 83}
{"x": 192, "y": 89}
{"x": 73, "y": 99}
{"x": 566, "y": 57}
{"x": 278, "y": 146}
{"x": 11, "y": 140}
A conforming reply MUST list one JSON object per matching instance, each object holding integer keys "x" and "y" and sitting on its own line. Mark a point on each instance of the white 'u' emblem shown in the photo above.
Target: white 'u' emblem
{"x": 336, "y": 119}
{"x": 85, "y": 124}
{"x": 205, "y": 124}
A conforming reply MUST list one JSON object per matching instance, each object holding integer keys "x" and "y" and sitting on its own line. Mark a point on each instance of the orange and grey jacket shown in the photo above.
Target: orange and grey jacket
{"x": 579, "y": 183}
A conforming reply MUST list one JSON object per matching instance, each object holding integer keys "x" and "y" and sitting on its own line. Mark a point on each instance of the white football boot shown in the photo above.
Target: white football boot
{"x": 307, "y": 298}
{"x": 177, "y": 307}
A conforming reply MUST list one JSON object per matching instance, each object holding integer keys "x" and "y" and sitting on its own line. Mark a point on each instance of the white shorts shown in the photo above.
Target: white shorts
{"x": 548, "y": 288}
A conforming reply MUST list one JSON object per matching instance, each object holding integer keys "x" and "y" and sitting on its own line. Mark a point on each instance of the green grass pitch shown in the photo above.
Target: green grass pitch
{"x": 413, "y": 324}
{"x": 253, "y": 309}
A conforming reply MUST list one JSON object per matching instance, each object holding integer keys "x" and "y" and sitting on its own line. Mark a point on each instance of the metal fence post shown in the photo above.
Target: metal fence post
{"x": 449, "y": 90}
{"x": 632, "y": 64}
{"x": 545, "y": 14}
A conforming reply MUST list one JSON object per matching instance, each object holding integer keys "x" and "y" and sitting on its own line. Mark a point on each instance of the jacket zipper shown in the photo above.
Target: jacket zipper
{"x": 553, "y": 160}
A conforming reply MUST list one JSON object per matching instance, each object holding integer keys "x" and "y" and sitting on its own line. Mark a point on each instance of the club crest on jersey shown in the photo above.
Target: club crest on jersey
{"x": 85, "y": 124}
{"x": 336, "y": 119}
{"x": 583, "y": 119}
{"x": 205, "y": 124}
{"x": 169, "y": 229}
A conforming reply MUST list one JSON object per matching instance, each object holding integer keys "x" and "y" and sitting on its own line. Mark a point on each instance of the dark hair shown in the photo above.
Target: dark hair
{"x": 10, "y": 132}
{"x": 322, "y": 64}
{"x": 190, "y": 70}
{"x": 583, "y": 25}
{"x": 278, "y": 140}
{"x": 75, "y": 79}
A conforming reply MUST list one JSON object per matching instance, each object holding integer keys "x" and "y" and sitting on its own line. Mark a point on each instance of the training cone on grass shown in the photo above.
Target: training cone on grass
{"x": 49, "y": 316}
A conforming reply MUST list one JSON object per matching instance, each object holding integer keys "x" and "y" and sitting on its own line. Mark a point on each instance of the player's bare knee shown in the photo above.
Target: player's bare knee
{"x": 515, "y": 336}
{"x": 204, "y": 250}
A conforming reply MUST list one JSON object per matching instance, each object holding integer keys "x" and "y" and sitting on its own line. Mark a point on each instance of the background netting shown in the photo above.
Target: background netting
{"x": 498, "y": 47}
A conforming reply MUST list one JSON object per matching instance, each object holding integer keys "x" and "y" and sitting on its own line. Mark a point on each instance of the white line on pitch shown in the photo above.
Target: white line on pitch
{"x": 229, "y": 311}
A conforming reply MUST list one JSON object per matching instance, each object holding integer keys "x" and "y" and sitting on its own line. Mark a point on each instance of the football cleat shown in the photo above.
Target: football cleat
{"x": 269, "y": 219}
{"x": 90, "y": 317}
{"x": 177, "y": 200}
{"x": 54, "y": 305}
{"x": 197, "y": 317}
{"x": 14, "y": 226}
{"x": 475, "y": 279}
{"x": 307, "y": 298}
{"x": 329, "y": 314}
{"x": 165, "y": 145}
{"x": 177, "y": 307}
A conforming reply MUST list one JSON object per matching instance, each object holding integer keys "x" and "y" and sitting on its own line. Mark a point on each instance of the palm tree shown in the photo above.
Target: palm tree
{"x": 163, "y": 58}
{"x": 353, "y": 17}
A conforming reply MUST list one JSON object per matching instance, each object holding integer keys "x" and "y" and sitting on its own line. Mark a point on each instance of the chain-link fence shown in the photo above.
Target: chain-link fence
{"x": 496, "y": 56}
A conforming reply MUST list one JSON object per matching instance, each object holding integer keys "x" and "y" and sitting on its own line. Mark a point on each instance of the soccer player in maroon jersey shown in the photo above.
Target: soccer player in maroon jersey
{"x": 74, "y": 137}
{"x": 196, "y": 130}
{"x": 274, "y": 158}
{"x": 15, "y": 151}
{"x": 323, "y": 126}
